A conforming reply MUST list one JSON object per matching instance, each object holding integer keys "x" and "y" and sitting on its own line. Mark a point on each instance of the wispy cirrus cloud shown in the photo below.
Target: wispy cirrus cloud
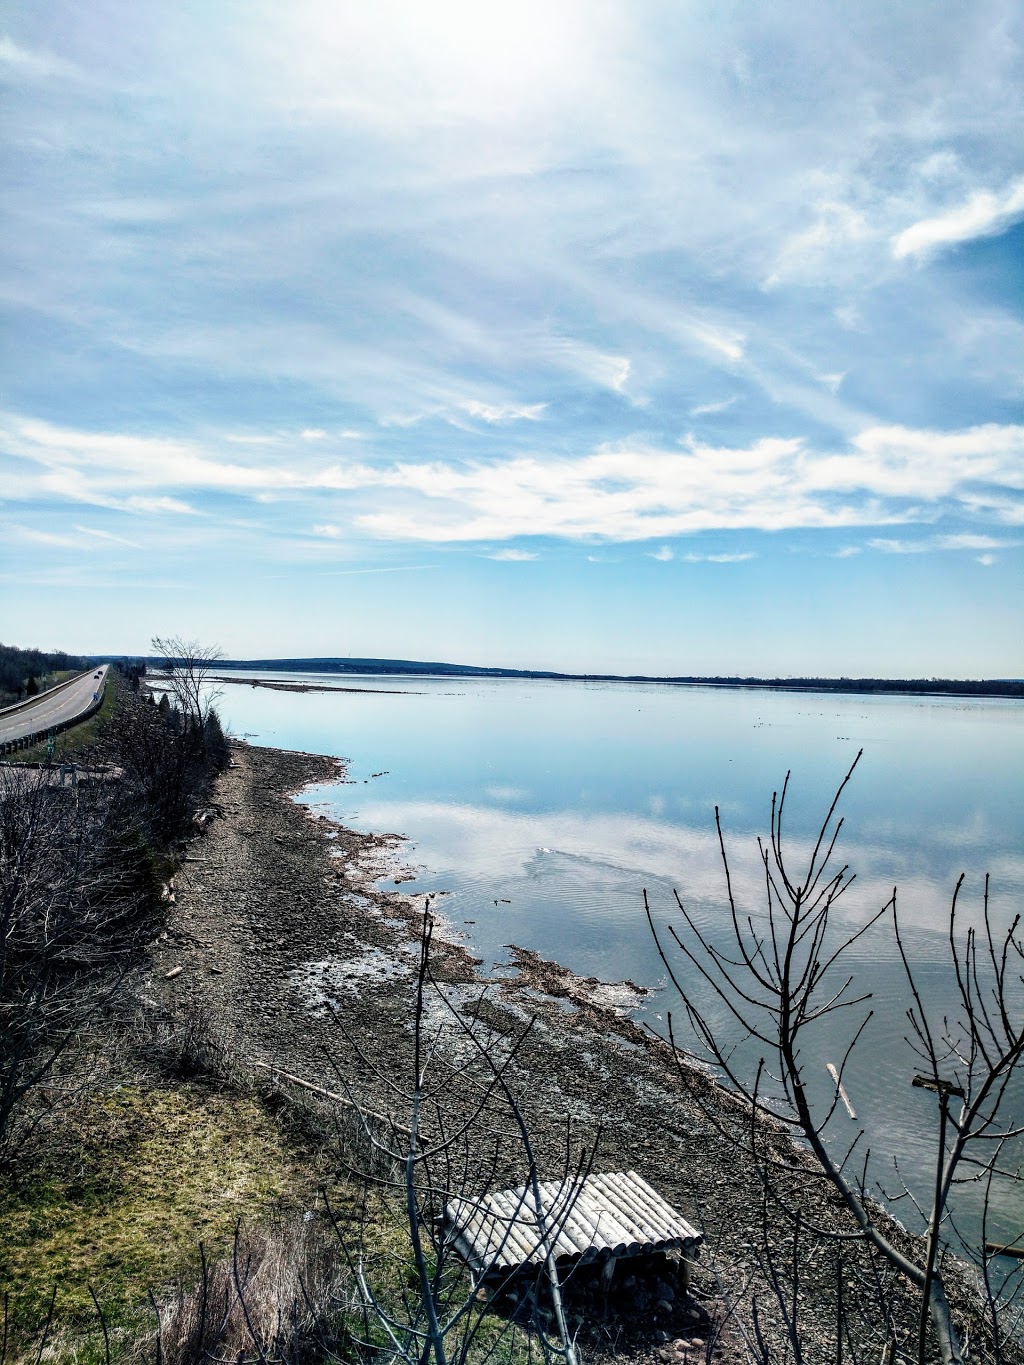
{"x": 737, "y": 557}
{"x": 624, "y": 491}
{"x": 602, "y": 368}
{"x": 504, "y": 412}
{"x": 984, "y": 214}
{"x": 33, "y": 64}
{"x": 712, "y": 409}
{"x": 963, "y": 541}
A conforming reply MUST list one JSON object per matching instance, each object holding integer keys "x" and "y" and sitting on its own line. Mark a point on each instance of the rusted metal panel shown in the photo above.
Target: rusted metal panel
{"x": 615, "y": 1214}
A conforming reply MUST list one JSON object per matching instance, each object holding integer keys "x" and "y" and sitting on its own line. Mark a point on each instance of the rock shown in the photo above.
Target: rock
{"x": 175, "y": 971}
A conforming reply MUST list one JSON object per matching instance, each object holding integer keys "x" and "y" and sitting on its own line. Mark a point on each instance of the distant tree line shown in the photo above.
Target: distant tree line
{"x": 957, "y": 687}
{"x": 22, "y": 670}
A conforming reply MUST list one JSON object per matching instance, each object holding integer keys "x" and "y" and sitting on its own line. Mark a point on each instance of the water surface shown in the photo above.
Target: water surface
{"x": 544, "y": 810}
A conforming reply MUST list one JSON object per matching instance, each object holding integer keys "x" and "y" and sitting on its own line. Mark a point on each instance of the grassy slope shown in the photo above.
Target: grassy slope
{"x": 138, "y": 1177}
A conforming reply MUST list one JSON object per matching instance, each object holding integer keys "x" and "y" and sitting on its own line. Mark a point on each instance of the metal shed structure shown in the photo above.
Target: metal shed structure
{"x": 603, "y": 1218}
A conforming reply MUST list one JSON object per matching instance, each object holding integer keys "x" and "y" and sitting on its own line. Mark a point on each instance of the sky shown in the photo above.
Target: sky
{"x": 613, "y": 335}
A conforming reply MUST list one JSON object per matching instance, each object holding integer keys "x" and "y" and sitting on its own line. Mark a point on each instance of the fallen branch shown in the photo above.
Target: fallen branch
{"x": 334, "y": 1097}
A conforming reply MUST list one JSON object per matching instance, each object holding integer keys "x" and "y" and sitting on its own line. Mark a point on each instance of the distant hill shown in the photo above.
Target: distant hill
{"x": 990, "y": 687}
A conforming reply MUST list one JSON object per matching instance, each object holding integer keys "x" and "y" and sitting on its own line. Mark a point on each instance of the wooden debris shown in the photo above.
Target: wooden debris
{"x": 842, "y": 1089}
{"x": 335, "y": 1098}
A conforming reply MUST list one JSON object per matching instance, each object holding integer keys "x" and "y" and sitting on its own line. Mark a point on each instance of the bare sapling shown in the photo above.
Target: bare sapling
{"x": 784, "y": 977}
{"x": 457, "y": 1129}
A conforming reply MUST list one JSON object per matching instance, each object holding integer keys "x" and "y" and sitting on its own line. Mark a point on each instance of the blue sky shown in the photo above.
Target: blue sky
{"x": 613, "y": 336}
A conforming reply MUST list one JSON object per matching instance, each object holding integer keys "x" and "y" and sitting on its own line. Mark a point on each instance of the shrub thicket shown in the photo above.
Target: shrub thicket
{"x": 83, "y": 861}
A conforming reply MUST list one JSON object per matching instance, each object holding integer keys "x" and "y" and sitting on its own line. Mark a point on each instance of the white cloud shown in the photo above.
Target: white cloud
{"x": 987, "y": 560}
{"x": 83, "y": 538}
{"x": 621, "y": 491}
{"x": 513, "y": 556}
{"x": 710, "y": 409}
{"x": 33, "y": 65}
{"x": 811, "y": 252}
{"x": 969, "y": 541}
{"x": 928, "y": 544}
{"x": 849, "y": 316}
{"x": 601, "y": 368}
{"x": 154, "y": 506}
{"x": 108, "y": 536}
{"x": 504, "y": 412}
{"x": 328, "y": 532}
{"x": 983, "y": 215}
{"x": 664, "y": 554}
{"x": 314, "y": 434}
{"x": 499, "y": 793}
{"x": 738, "y": 557}
{"x": 726, "y": 342}
{"x": 904, "y": 462}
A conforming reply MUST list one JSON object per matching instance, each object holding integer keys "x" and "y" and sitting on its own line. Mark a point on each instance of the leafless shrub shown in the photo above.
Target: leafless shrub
{"x": 456, "y": 1125}
{"x": 274, "y": 1297}
{"x": 74, "y": 893}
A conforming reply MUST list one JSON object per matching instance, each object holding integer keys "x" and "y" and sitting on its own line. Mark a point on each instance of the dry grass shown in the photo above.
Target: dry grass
{"x": 137, "y": 1180}
{"x": 280, "y": 1293}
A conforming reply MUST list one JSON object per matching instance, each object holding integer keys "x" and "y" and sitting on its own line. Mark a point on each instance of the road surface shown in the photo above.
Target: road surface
{"x": 58, "y": 707}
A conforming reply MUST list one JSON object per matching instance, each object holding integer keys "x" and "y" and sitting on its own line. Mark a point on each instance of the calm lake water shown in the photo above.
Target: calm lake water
{"x": 544, "y": 809}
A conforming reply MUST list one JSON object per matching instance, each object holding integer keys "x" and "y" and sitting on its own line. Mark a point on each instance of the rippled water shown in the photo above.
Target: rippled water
{"x": 544, "y": 809}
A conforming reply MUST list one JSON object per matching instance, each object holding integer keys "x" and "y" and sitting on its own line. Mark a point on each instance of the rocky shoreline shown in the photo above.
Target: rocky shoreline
{"x": 280, "y": 943}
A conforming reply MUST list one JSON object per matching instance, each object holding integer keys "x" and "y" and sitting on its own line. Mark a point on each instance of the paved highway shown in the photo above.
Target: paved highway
{"x": 52, "y": 708}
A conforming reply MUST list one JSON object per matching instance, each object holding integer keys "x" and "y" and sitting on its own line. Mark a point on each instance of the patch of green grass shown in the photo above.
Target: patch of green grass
{"x": 144, "y": 1176}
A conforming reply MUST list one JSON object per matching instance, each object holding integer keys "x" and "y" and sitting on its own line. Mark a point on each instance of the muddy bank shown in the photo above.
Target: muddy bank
{"x": 289, "y": 952}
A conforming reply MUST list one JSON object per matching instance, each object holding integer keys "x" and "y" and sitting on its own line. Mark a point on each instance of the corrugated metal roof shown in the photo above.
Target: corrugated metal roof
{"x": 615, "y": 1214}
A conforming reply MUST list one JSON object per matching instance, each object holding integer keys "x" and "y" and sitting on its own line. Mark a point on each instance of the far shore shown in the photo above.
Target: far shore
{"x": 409, "y": 670}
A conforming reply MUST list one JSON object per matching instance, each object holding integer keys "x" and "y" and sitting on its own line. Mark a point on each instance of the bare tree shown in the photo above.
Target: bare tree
{"x": 782, "y": 977}
{"x": 188, "y": 665}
